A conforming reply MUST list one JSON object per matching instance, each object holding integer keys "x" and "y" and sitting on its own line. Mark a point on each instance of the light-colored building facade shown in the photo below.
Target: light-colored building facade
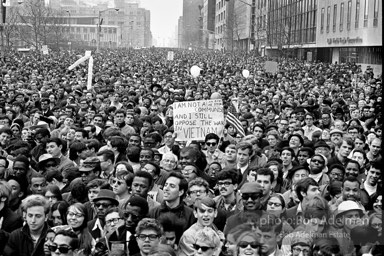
{"x": 350, "y": 31}
{"x": 224, "y": 12}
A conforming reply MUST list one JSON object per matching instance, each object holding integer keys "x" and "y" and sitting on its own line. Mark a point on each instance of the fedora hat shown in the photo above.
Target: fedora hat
{"x": 106, "y": 194}
{"x": 45, "y": 158}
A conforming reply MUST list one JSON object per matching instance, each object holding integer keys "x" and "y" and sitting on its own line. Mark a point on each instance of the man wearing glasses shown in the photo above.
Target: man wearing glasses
{"x": 148, "y": 233}
{"x": 90, "y": 169}
{"x": 227, "y": 185}
{"x": 104, "y": 201}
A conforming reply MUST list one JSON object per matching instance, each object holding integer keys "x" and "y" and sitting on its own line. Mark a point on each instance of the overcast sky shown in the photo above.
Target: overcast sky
{"x": 164, "y": 16}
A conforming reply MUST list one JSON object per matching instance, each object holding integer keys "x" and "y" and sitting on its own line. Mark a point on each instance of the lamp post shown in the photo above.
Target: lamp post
{"x": 69, "y": 24}
{"x": 99, "y": 27}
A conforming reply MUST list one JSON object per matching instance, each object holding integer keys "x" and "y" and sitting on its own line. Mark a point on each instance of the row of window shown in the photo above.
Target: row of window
{"x": 366, "y": 55}
{"x": 293, "y": 6}
{"x": 220, "y": 17}
{"x": 91, "y": 30}
{"x": 349, "y": 15}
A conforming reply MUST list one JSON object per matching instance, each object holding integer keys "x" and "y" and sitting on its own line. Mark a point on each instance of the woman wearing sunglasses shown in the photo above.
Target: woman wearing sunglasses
{"x": 207, "y": 242}
{"x": 247, "y": 243}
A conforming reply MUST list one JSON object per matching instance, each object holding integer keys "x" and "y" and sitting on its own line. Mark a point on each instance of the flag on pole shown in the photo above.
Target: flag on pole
{"x": 234, "y": 121}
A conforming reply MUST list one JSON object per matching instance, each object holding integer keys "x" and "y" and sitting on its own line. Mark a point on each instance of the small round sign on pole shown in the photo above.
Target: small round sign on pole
{"x": 195, "y": 71}
{"x": 245, "y": 73}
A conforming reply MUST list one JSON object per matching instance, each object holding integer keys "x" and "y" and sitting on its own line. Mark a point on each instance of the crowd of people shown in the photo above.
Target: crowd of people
{"x": 100, "y": 170}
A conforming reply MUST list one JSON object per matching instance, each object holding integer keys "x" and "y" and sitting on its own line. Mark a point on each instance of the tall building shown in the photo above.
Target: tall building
{"x": 350, "y": 31}
{"x": 291, "y": 28}
{"x": 224, "y": 25}
{"x": 192, "y": 24}
{"x": 180, "y": 32}
{"x": 208, "y": 26}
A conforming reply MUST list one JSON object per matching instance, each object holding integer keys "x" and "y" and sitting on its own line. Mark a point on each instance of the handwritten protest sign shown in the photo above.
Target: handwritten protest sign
{"x": 44, "y": 48}
{"x": 170, "y": 55}
{"x": 193, "y": 120}
{"x": 271, "y": 67}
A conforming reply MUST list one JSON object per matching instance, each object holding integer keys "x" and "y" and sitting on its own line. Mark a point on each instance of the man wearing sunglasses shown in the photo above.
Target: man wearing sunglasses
{"x": 65, "y": 243}
{"x": 104, "y": 201}
{"x": 213, "y": 153}
{"x": 251, "y": 195}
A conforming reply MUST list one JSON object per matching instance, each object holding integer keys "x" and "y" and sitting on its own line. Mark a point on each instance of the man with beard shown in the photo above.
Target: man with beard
{"x": 251, "y": 194}
{"x": 205, "y": 212}
{"x": 135, "y": 210}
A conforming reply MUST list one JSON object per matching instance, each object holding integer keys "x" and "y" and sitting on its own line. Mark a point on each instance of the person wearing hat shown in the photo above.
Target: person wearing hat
{"x": 104, "y": 201}
{"x": 47, "y": 163}
{"x": 336, "y": 136}
{"x": 297, "y": 243}
{"x": 251, "y": 195}
{"x": 321, "y": 147}
{"x": 349, "y": 214}
{"x": 295, "y": 174}
{"x": 90, "y": 169}
{"x": 295, "y": 142}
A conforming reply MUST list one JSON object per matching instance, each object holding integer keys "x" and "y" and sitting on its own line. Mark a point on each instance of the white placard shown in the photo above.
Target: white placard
{"x": 170, "y": 55}
{"x": 193, "y": 120}
{"x": 271, "y": 67}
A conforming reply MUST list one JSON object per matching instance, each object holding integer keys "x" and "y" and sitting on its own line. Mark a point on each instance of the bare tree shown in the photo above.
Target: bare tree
{"x": 10, "y": 28}
{"x": 38, "y": 24}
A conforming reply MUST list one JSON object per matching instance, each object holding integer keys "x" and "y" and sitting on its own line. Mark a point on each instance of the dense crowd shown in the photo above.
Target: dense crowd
{"x": 100, "y": 171}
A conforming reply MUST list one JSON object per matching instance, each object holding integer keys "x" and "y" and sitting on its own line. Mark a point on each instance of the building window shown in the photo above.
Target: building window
{"x": 375, "y": 13}
{"x": 366, "y": 13}
{"x": 328, "y": 17}
{"x": 341, "y": 16}
{"x": 322, "y": 20}
{"x": 349, "y": 15}
{"x": 357, "y": 14}
{"x": 334, "y": 17}
{"x": 92, "y": 30}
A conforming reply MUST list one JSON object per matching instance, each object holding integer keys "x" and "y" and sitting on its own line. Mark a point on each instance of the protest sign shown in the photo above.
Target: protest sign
{"x": 90, "y": 73}
{"x": 170, "y": 55}
{"x": 271, "y": 67}
{"x": 44, "y": 48}
{"x": 193, "y": 120}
